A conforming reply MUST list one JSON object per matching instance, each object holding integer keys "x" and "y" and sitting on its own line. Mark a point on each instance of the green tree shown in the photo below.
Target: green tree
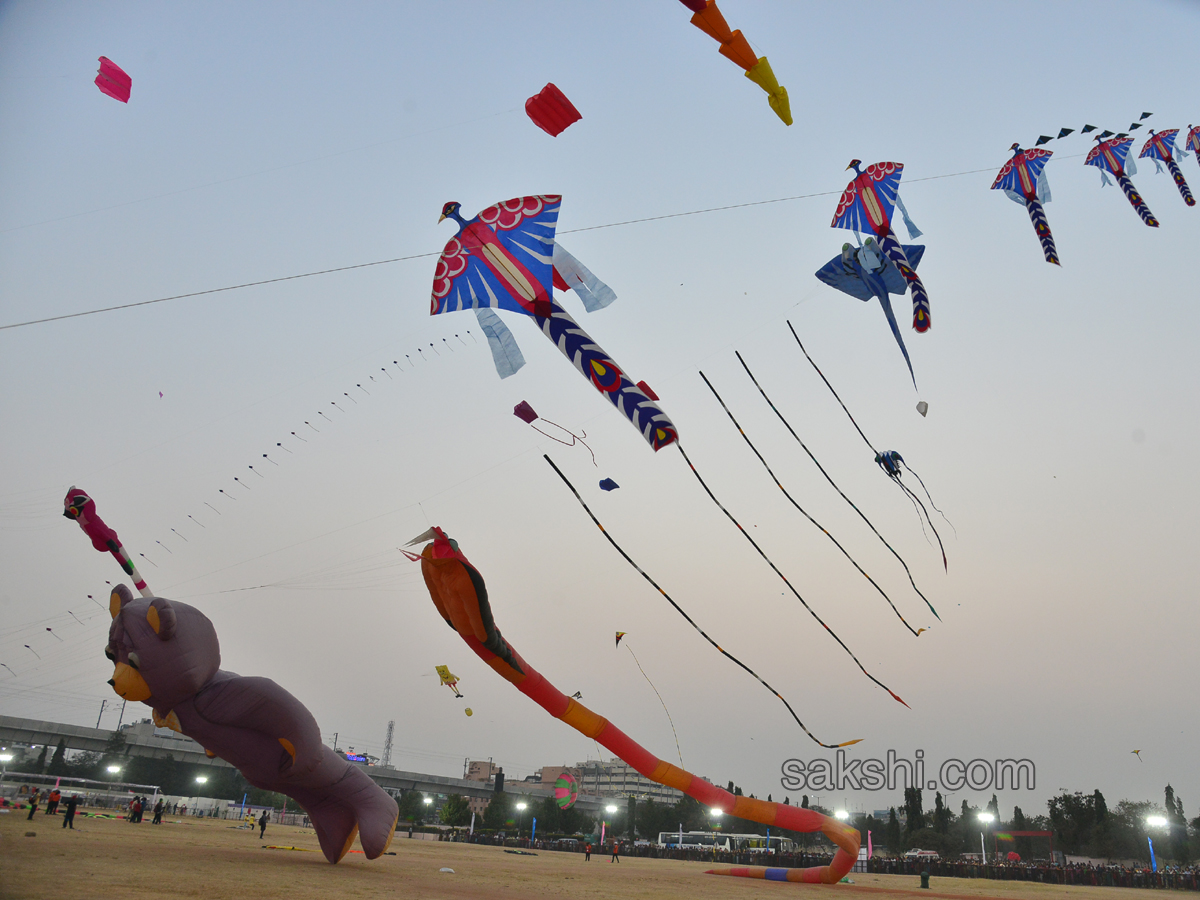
{"x": 456, "y": 811}
{"x": 928, "y": 839}
{"x": 40, "y": 766}
{"x": 499, "y": 813}
{"x": 58, "y": 762}
{"x": 912, "y": 807}
{"x": 941, "y": 815}
{"x": 892, "y": 832}
{"x": 412, "y": 806}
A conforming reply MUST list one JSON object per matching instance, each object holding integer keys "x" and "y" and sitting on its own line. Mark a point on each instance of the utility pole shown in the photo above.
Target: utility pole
{"x": 103, "y": 703}
{"x": 387, "y": 745}
{"x": 335, "y": 736}
{"x": 122, "y": 716}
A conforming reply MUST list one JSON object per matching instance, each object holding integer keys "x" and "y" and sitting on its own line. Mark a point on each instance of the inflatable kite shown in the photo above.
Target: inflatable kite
{"x": 1111, "y": 156}
{"x": 736, "y": 48}
{"x": 1023, "y": 179}
{"x": 167, "y": 656}
{"x": 865, "y": 273}
{"x": 80, "y": 507}
{"x": 867, "y": 205}
{"x": 1160, "y": 149}
{"x": 460, "y": 596}
{"x": 551, "y": 111}
{"x": 506, "y": 257}
{"x": 566, "y": 790}
{"x": 112, "y": 80}
{"x": 448, "y": 678}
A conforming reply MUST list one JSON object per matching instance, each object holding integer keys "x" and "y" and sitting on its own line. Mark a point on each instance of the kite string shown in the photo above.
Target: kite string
{"x": 929, "y": 496}
{"x": 803, "y": 511}
{"x": 660, "y": 700}
{"x": 804, "y": 447}
{"x": 679, "y": 609}
{"x": 775, "y": 569}
{"x": 921, "y": 506}
{"x": 831, "y": 390}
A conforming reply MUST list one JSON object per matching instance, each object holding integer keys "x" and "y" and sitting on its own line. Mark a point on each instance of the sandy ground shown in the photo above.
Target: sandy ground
{"x": 209, "y": 858}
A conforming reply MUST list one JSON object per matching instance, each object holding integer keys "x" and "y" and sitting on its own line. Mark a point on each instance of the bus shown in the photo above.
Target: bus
{"x": 714, "y": 840}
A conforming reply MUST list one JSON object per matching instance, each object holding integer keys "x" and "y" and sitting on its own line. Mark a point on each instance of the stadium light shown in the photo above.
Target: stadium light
{"x": 201, "y": 779}
{"x": 610, "y": 809}
{"x": 114, "y": 769}
{"x": 1156, "y": 821}
{"x": 429, "y": 800}
{"x": 986, "y": 817}
{"x": 716, "y": 813}
{"x": 842, "y": 815}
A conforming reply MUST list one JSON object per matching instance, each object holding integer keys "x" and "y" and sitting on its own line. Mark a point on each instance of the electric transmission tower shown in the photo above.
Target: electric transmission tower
{"x": 387, "y": 745}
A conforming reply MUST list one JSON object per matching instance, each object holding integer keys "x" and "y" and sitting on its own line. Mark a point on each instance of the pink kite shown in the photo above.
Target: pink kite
{"x": 113, "y": 81}
{"x": 551, "y": 111}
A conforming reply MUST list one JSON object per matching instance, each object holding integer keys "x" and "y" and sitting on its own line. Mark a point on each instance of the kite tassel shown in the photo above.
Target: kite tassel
{"x": 1181, "y": 183}
{"x": 920, "y": 298}
{"x": 1136, "y": 201}
{"x": 1037, "y": 215}
{"x": 913, "y": 231}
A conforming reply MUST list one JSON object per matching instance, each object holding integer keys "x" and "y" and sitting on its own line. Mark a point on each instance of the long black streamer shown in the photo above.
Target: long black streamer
{"x": 775, "y": 569}
{"x": 805, "y": 512}
{"x": 804, "y": 447}
{"x": 679, "y": 610}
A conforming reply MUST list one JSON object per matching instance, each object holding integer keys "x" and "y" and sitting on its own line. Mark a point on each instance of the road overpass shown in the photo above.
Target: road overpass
{"x": 143, "y": 739}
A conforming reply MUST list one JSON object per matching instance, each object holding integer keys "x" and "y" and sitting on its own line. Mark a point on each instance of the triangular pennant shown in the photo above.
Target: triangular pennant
{"x": 1086, "y": 129}
{"x": 1065, "y": 131}
{"x": 1043, "y": 139}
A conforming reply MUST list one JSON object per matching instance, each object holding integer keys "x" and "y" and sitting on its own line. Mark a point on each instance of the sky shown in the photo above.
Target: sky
{"x": 271, "y": 140}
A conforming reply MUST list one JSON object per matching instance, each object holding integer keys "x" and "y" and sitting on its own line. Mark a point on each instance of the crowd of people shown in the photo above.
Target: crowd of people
{"x": 1174, "y": 877}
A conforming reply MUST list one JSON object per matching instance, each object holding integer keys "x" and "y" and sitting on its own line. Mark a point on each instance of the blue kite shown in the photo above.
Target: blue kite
{"x": 865, "y": 273}
{"x": 506, "y": 258}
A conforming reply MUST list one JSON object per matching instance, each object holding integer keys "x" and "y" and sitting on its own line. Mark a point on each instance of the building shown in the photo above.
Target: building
{"x": 613, "y": 778}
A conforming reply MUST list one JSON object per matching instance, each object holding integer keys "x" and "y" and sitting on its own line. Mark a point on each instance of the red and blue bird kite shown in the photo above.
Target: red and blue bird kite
{"x": 868, "y": 204}
{"x": 506, "y": 258}
{"x": 1160, "y": 149}
{"x": 1111, "y": 156}
{"x": 1022, "y": 179}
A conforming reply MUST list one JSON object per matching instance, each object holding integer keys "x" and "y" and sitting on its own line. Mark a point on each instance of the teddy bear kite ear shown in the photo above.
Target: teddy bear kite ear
{"x": 117, "y": 600}
{"x": 161, "y": 617}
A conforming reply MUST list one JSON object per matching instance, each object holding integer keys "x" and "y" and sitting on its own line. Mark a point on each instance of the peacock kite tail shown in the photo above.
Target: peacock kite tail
{"x": 82, "y": 508}
{"x": 460, "y": 595}
{"x": 1110, "y": 156}
{"x": 1022, "y": 178}
{"x": 1159, "y": 149}
{"x": 867, "y": 205}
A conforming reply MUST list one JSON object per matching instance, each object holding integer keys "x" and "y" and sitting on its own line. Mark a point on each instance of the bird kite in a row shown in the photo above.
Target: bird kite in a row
{"x": 507, "y": 258}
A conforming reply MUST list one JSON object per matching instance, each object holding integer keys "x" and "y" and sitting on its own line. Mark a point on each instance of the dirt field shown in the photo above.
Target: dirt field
{"x": 211, "y": 858}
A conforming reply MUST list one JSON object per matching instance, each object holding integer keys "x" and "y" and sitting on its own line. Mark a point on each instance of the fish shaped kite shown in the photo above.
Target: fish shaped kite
{"x": 112, "y": 80}
{"x": 736, "y": 48}
{"x": 1023, "y": 179}
{"x": 867, "y": 205}
{"x": 506, "y": 258}
{"x": 82, "y": 508}
{"x": 460, "y": 595}
{"x": 1111, "y": 156}
{"x": 1160, "y": 149}
{"x": 448, "y": 678}
{"x": 865, "y": 273}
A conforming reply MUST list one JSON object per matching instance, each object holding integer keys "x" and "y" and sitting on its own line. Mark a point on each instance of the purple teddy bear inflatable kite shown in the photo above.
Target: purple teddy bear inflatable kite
{"x": 167, "y": 656}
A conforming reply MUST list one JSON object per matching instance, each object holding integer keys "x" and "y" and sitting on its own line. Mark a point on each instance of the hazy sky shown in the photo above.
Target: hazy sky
{"x": 266, "y": 140}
